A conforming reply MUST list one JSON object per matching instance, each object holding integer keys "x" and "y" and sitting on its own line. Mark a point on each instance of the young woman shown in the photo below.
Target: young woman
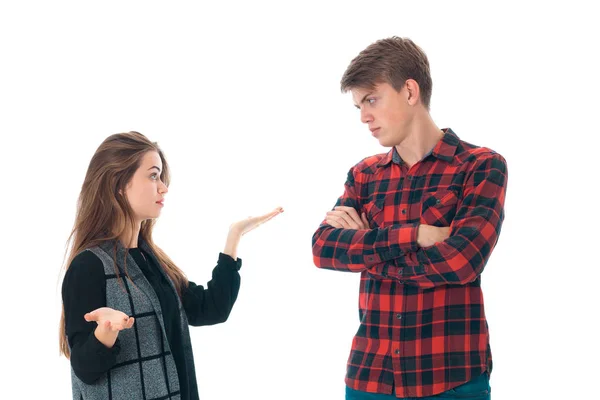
{"x": 126, "y": 305}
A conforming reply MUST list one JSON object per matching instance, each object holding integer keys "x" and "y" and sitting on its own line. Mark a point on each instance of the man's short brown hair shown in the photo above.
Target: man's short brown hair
{"x": 392, "y": 60}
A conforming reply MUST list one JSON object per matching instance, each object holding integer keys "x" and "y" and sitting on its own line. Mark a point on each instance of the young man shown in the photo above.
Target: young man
{"x": 419, "y": 223}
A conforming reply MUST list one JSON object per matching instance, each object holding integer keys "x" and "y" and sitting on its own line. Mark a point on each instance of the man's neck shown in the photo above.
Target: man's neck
{"x": 423, "y": 137}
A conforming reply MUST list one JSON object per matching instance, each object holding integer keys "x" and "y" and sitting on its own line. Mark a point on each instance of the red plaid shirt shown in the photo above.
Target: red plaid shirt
{"x": 422, "y": 323}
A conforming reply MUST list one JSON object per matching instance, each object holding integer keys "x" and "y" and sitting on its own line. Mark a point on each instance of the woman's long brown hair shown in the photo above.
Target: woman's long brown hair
{"x": 104, "y": 214}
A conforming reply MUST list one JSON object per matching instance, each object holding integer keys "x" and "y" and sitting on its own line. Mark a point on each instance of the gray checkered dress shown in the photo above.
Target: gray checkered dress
{"x": 145, "y": 367}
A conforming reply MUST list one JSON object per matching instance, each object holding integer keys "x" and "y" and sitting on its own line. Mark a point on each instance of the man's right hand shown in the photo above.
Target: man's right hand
{"x": 429, "y": 235}
{"x": 346, "y": 218}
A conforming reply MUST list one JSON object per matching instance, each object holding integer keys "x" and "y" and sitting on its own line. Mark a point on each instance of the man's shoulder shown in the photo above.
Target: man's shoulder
{"x": 369, "y": 165}
{"x": 470, "y": 153}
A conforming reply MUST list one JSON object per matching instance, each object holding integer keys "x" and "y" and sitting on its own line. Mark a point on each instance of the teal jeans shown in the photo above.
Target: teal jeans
{"x": 475, "y": 389}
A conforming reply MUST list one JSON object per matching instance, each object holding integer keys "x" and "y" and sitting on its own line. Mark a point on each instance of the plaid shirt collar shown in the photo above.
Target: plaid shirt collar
{"x": 444, "y": 150}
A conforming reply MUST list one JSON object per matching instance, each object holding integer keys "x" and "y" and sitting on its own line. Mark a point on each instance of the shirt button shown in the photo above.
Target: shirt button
{"x": 397, "y": 351}
{"x": 399, "y": 316}
{"x": 404, "y": 211}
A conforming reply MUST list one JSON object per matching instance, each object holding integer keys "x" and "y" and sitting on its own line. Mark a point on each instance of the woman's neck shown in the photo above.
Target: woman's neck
{"x": 129, "y": 238}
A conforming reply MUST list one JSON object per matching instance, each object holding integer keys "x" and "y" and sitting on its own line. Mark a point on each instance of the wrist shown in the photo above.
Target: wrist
{"x": 106, "y": 337}
{"x": 233, "y": 239}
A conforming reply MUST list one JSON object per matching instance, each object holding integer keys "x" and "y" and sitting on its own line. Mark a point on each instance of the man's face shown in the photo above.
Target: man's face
{"x": 385, "y": 111}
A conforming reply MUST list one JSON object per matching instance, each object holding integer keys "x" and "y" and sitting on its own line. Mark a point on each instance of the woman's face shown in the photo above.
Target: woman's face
{"x": 146, "y": 192}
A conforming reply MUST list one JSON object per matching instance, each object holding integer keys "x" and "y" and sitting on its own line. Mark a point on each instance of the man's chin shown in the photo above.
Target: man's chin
{"x": 386, "y": 143}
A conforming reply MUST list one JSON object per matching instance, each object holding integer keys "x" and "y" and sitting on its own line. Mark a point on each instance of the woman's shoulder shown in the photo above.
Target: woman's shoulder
{"x": 85, "y": 270}
{"x": 86, "y": 262}
{"x": 86, "y": 257}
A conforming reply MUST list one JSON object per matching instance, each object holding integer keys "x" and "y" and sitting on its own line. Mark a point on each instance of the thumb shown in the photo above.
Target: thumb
{"x": 91, "y": 316}
{"x": 363, "y": 217}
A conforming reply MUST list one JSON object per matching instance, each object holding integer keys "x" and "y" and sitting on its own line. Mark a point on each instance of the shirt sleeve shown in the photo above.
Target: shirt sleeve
{"x": 213, "y": 304}
{"x": 474, "y": 232}
{"x": 84, "y": 290}
{"x": 356, "y": 250}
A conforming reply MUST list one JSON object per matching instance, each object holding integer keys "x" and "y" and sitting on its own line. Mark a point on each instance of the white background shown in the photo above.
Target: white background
{"x": 244, "y": 99}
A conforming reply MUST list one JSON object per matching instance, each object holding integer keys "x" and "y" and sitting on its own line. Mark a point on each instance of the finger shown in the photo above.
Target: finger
{"x": 344, "y": 219}
{"x": 340, "y": 221}
{"x": 257, "y": 221}
{"x": 130, "y": 323}
{"x": 277, "y": 210}
{"x": 332, "y": 222}
{"x": 271, "y": 215}
{"x": 93, "y": 315}
{"x": 351, "y": 212}
{"x": 363, "y": 217}
{"x": 125, "y": 322}
{"x": 120, "y": 324}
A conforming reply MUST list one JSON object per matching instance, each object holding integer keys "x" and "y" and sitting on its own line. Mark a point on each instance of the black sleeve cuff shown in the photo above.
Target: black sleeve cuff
{"x": 226, "y": 261}
{"x": 92, "y": 359}
{"x": 96, "y": 347}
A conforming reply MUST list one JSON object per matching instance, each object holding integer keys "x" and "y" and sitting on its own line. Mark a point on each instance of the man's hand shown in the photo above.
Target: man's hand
{"x": 428, "y": 235}
{"x": 347, "y": 218}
